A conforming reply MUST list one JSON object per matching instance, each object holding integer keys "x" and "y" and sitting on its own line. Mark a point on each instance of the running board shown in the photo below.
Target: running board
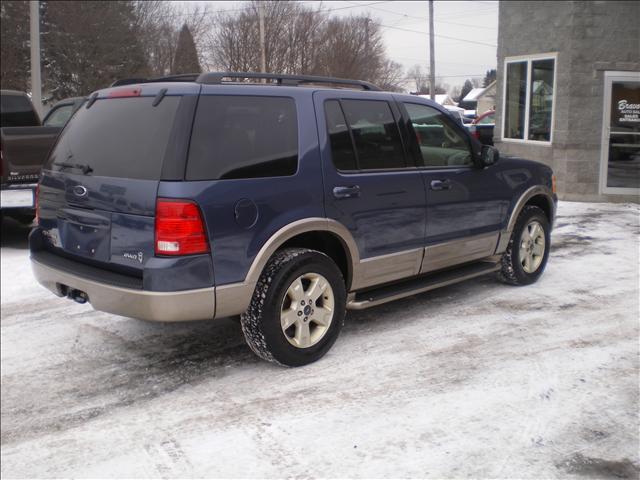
{"x": 388, "y": 293}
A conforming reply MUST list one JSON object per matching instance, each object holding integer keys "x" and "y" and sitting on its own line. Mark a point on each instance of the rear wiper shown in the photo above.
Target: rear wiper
{"x": 86, "y": 169}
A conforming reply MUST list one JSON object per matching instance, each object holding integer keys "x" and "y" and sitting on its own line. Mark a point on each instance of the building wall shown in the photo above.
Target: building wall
{"x": 589, "y": 38}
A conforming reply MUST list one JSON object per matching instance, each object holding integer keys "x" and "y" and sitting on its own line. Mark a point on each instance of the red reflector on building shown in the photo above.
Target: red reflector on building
{"x": 179, "y": 228}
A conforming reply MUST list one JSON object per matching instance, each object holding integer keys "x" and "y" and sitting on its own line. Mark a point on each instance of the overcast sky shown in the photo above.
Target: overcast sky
{"x": 466, "y": 32}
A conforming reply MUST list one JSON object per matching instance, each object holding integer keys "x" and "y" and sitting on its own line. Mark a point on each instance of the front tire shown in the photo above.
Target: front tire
{"x": 297, "y": 309}
{"x": 528, "y": 251}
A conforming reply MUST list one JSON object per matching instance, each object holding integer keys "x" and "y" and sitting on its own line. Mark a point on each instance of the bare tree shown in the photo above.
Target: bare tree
{"x": 420, "y": 79}
{"x": 301, "y": 40}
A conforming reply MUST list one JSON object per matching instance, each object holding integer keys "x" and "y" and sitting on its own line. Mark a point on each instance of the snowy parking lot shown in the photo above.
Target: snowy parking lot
{"x": 478, "y": 379}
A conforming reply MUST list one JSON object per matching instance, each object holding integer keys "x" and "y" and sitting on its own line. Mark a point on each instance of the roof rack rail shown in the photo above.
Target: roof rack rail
{"x": 216, "y": 78}
{"x": 186, "y": 77}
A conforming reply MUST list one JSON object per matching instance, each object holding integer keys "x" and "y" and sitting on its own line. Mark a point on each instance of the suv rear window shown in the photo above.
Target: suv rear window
{"x": 243, "y": 137}
{"x": 17, "y": 111}
{"x": 117, "y": 137}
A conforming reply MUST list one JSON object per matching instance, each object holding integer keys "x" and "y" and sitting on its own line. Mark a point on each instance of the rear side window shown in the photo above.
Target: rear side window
{"x": 17, "y": 111}
{"x": 375, "y": 134}
{"x": 342, "y": 154}
{"x": 117, "y": 137}
{"x": 243, "y": 137}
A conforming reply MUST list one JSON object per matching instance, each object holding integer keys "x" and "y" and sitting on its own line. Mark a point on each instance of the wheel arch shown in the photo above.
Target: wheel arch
{"x": 325, "y": 235}
{"x": 538, "y": 196}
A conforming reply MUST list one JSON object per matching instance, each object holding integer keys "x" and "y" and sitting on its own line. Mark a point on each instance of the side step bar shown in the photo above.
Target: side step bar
{"x": 388, "y": 293}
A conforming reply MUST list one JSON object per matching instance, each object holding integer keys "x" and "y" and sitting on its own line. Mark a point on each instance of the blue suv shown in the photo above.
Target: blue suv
{"x": 285, "y": 202}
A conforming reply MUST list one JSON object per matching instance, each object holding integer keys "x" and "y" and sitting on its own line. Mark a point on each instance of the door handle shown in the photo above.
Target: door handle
{"x": 346, "y": 192}
{"x": 440, "y": 185}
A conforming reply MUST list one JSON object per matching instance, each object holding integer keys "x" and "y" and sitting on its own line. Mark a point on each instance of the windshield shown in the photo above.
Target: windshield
{"x": 118, "y": 137}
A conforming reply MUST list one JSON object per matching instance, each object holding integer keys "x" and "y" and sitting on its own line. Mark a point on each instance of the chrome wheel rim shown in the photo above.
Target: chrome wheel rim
{"x": 307, "y": 310}
{"x": 532, "y": 247}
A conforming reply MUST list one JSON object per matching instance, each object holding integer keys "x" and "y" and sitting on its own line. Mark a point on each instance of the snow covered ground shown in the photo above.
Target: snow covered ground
{"x": 474, "y": 380}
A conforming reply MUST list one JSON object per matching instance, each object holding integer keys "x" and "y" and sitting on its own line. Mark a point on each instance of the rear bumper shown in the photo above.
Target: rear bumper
{"x": 145, "y": 305}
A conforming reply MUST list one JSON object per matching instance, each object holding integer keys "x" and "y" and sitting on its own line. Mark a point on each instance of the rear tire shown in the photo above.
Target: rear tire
{"x": 528, "y": 251}
{"x": 297, "y": 309}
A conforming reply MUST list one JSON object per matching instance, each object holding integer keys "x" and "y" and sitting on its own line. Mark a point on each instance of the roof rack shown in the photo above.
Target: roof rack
{"x": 220, "y": 78}
{"x": 216, "y": 78}
{"x": 187, "y": 77}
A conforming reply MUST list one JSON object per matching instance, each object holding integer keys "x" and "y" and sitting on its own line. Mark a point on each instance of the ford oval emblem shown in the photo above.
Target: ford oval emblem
{"x": 80, "y": 191}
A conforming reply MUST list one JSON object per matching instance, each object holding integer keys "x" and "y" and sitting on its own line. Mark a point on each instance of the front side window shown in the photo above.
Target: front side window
{"x": 441, "y": 144}
{"x": 243, "y": 137}
{"x": 529, "y": 99}
{"x": 375, "y": 134}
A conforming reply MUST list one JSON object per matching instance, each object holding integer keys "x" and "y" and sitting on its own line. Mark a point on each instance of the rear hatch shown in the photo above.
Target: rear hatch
{"x": 98, "y": 189}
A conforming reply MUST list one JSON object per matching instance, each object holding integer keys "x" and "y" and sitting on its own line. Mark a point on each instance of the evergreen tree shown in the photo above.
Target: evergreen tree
{"x": 489, "y": 77}
{"x": 466, "y": 88}
{"x": 186, "y": 58}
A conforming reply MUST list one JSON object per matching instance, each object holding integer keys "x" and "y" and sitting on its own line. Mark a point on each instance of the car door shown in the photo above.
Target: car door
{"x": 371, "y": 185}
{"x": 465, "y": 204}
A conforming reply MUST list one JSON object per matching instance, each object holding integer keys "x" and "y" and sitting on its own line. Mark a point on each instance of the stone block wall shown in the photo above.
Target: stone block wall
{"x": 590, "y": 38}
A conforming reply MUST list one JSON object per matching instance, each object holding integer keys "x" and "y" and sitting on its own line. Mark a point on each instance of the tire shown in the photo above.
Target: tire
{"x": 277, "y": 292}
{"x": 516, "y": 268}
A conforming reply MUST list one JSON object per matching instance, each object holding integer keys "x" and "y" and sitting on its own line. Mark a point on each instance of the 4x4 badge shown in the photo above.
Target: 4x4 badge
{"x": 133, "y": 256}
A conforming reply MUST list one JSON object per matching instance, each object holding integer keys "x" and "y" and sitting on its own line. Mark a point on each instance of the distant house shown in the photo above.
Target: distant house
{"x": 486, "y": 100}
{"x": 470, "y": 101}
{"x": 568, "y": 93}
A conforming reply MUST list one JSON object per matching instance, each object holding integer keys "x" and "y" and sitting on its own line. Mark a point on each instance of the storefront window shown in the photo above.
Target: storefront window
{"x": 541, "y": 103}
{"x": 529, "y": 99}
{"x": 515, "y": 100}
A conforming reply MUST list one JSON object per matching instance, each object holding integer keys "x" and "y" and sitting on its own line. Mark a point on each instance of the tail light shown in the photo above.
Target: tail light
{"x": 37, "y": 204}
{"x": 475, "y": 133}
{"x": 554, "y": 185}
{"x": 179, "y": 228}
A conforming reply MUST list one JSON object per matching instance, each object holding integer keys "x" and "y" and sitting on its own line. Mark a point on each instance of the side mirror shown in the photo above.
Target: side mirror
{"x": 489, "y": 156}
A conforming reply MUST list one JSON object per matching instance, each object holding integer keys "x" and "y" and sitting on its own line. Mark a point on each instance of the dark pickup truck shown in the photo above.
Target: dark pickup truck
{"x": 25, "y": 143}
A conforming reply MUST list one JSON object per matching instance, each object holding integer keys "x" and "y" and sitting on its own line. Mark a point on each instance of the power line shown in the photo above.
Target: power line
{"x": 424, "y": 19}
{"x": 439, "y": 36}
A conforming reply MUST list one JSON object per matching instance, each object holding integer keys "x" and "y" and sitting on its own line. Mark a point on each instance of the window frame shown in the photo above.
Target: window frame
{"x": 529, "y": 59}
{"x": 453, "y": 124}
{"x": 398, "y": 118}
{"x": 609, "y": 78}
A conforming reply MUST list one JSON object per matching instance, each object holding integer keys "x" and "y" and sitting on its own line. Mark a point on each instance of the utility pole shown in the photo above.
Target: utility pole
{"x": 36, "y": 83}
{"x": 263, "y": 53}
{"x": 432, "y": 58}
